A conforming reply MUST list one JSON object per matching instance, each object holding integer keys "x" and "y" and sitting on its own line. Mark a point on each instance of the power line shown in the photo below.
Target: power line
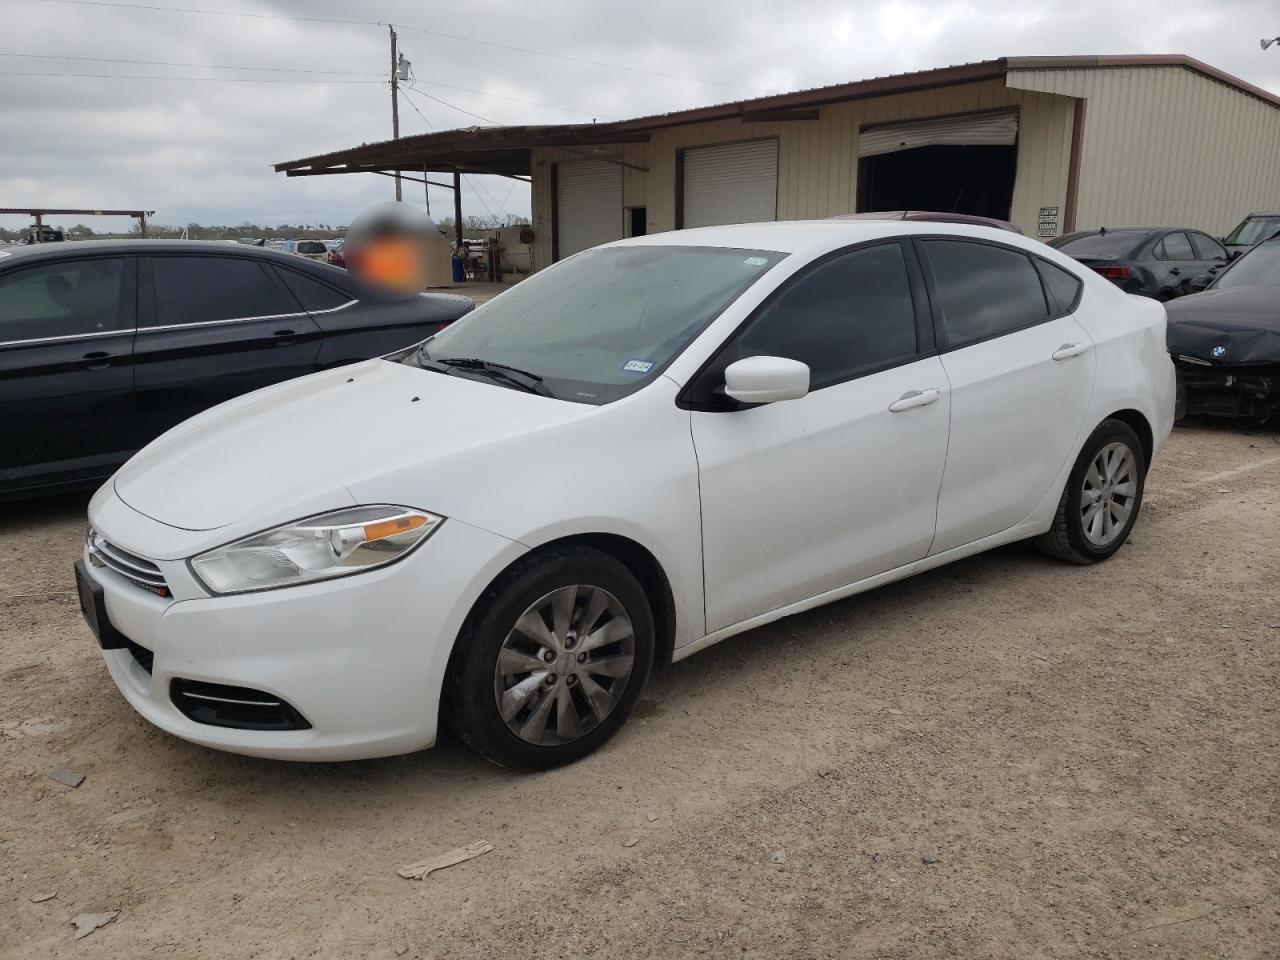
{"x": 451, "y": 106}
{"x": 423, "y": 30}
{"x": 498, "y": 96}
{"x": 202, "y": 66}
{"x": 138, "y": 76}
{"x": 409, "y": 101}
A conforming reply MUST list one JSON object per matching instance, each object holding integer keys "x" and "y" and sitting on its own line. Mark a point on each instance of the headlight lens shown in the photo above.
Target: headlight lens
{"x": 318, "y": 548}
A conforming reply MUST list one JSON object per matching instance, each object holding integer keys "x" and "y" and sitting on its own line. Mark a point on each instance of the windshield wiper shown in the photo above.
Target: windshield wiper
{"x": 514, "y": 376}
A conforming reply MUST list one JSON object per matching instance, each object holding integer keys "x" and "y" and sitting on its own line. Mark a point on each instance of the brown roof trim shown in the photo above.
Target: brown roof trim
{"x": 1143, "y": 60}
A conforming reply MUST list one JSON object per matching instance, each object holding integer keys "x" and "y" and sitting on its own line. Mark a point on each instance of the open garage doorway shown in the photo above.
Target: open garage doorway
{"x": 962, "y": 164}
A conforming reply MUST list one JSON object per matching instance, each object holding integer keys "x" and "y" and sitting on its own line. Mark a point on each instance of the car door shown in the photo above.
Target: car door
{"x": 805, "y": 496}
{"x": 1178, "y": 263}
{"x": 1211, "y": 256}
{"x": 213, "y": 327}
{"x": 1021, "y": 371}
{"x": 66, "y": 391}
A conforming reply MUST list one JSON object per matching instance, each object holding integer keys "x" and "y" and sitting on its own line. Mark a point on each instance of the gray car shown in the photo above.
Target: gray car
{"x": 1157, "y": 262}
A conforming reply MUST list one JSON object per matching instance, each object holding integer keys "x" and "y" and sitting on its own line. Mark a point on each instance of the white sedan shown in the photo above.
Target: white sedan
{"x": 628, "y": 457}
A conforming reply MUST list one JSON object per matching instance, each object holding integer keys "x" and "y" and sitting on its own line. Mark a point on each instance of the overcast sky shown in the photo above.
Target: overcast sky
{"x": 196, "y": 150}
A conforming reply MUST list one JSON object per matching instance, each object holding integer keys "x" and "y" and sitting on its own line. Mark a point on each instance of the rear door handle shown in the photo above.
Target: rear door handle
{"x": 1175, "y": 271}
{"x": 98, "y": 359}
{"x": 285, "y": 337}
{"x": 1069, "y": 350}
{"x": 915, "y": 398}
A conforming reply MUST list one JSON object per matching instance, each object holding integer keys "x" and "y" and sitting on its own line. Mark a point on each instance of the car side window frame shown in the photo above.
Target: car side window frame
{"x": 282, "y": 271}
{"x": 713, "y": 369}
{"x": 939, "y": 326}
{"x": 126, "y": 313}
{"x": 149, "y": 308}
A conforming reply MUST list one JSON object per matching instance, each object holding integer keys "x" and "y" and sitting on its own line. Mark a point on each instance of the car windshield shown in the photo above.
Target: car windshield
{"x": 1260, "y": 267}
{"x": 311, "y": 246}
{"x": 1113, "y": 243}
{"x": 603, "y": 323}
{"x": 1254, "y": 229}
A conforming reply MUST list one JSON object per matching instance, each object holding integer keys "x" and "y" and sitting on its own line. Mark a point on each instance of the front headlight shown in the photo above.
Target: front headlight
{"x": 317, "y": 548}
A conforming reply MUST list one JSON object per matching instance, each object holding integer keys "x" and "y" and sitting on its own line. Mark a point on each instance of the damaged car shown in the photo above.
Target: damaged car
{"x": 1225, "y": 342}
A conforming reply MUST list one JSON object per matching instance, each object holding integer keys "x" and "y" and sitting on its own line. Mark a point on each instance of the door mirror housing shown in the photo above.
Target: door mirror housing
{"x": 1200, "y": 281}
{"x": 766, "y": 380}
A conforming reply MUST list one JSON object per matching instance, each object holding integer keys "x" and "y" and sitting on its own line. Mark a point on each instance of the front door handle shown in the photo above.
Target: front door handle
{"x": 1069, "y": 350}
{"x": 915, "y": 398}
{"x": 1175, "y": 271}
{"x": 98, "y": 359}
{"x": 285, "y": 337}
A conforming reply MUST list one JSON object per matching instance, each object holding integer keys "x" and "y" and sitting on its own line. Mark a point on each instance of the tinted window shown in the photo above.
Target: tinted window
{"x": 1254, "y": 229}
{"x": 1175, "y": 247}
{"x": 63, "y": 299}
{"x": 1113, "y": 243}
{"x": 846, "y": 316}
{"x": 1206, "y": 247}
{"x": 1259, "y": 267}
{"x": 201, "y": 289}
{"x": 1064, "y": 286}
{"x": 313, "y": 294}
{"x": 984, "y": 290}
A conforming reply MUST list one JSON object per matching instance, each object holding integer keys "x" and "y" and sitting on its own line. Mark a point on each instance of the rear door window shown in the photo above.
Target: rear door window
{"x": 314, "y": 294}
{"x": 209, "y": 289}
{"x": 66, "y": 298}
{"x": 985, "y": 290}
{"x": 1175, "y": 246}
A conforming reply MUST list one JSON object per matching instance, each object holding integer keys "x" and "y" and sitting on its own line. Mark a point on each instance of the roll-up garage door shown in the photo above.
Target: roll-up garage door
{"x": 973, "y": 130}
{"x": 588, "y": 205}
{"x": 731, "y": 183}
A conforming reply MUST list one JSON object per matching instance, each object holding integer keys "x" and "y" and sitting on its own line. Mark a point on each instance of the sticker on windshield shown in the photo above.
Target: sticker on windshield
{"x": 637, "y": 366}
{"x": 755, "y": 261}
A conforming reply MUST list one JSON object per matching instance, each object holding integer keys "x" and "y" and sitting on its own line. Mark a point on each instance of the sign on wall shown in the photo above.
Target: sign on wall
{"x": 1048, "y": 222}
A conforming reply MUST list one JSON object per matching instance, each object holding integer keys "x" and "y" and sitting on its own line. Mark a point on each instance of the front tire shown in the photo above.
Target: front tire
{"x": 1101, "y": 500}
{"x": 552, "y": 660}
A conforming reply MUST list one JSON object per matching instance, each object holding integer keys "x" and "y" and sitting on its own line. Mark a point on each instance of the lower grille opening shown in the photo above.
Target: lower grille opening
{"x": 219, "y": 705}
{"x": 141, "y": 655}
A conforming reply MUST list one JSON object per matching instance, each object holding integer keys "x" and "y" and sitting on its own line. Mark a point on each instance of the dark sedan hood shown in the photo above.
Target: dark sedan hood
{"x": 1242, "y": 324}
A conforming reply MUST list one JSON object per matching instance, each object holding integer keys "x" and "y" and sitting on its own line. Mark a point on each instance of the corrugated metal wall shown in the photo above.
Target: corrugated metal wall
{"x": 1164, "y": 145}
{"x": 817, "y": 159}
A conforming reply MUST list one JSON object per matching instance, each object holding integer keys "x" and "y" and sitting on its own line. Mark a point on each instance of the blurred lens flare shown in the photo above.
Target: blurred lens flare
{"x": 386, "y": 250}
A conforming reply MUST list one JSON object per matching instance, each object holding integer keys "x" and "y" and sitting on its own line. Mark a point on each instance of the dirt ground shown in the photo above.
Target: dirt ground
{"x": 1008, "y": 757}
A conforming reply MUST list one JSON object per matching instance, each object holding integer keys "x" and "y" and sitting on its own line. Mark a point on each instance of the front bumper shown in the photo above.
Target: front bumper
{"x": 1247, "y": 392}
{"x": 360, "y": 658}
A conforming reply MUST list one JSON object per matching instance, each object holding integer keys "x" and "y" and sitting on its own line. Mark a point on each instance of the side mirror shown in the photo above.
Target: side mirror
{"x": 1200, "y": 281}
{"x": 766, "y": 380}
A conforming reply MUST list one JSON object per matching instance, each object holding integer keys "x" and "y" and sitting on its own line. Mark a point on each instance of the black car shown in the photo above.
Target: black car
{"x": 1254, "y": 228}
{"x": 1154, "y": 262}
{"x": 1225, "y": 342}
{"x": 104, "y": 345}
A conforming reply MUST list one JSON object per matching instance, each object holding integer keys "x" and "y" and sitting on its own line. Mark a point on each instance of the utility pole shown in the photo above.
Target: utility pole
{"x": 395, "y": 100}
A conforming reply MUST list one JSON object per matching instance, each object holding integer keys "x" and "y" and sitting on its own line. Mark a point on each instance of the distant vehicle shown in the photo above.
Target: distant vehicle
{"x": 277, "y": 243}
{"x": 43, "y": 234}
{"x": 1225, "y": 342}
{"x": 252, "y": 241}
{"x": 106, "y": 344}
{"x": 931, "y": 216}
{"x": 334, "y": 255}
{"x": 311, "y": 249}
{"x": 1157, "y": 262}
{"x": 1254, "y": 228}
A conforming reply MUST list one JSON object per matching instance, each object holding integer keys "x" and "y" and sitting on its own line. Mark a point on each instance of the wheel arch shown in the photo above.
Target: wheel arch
{"x": 1138, "y": 423}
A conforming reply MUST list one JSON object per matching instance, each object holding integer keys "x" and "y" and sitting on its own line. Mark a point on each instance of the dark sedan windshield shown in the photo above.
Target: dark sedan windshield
{"x": 1260, "y": 267}
{"x": 1254, "y": 229}
{"x": 601, "y": 324}
{"x": 1113, "y": 243}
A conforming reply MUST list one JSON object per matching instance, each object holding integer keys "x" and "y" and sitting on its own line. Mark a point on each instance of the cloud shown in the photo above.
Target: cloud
{"x": 202, "y": 151}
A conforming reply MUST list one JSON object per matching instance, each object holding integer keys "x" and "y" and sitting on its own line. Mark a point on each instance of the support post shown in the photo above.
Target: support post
{"x": 457, "y": 207}
{"x": 395, "y": 101}
{"x": 142, "y": 224}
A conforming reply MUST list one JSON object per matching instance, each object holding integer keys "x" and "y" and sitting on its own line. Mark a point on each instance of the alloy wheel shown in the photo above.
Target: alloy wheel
{"x": 1107, "y": 498}
{"x": 564, "y": 666}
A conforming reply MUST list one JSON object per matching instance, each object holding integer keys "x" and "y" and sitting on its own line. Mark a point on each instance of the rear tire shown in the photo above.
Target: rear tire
{"x": 552, "y": 660}
{"x": 1101, "y": 500}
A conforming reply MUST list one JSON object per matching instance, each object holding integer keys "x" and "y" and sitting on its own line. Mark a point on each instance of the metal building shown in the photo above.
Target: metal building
{"x": 1050, "y": 143}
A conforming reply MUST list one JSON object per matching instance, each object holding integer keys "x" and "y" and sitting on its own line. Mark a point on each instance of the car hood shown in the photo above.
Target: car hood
{"x": 294, "y": 449}
{"x": 1236, "y": 326}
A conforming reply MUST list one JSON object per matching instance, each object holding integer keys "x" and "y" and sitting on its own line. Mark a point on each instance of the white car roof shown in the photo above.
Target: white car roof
{"x": 796, "y": 236}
